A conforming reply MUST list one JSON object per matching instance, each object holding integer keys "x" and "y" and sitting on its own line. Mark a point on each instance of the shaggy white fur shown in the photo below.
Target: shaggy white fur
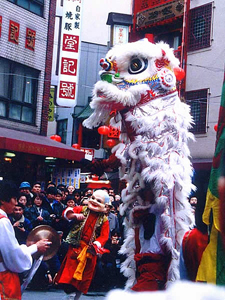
{"x": 153, "y": 151}
{"x": 180, "y": 290}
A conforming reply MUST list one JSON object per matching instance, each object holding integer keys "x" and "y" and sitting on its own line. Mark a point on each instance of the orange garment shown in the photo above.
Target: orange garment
{"x": 10, "y": 286}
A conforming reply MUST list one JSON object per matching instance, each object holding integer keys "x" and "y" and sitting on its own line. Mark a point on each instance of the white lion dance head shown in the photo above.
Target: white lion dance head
{"x": 138, "y": 83}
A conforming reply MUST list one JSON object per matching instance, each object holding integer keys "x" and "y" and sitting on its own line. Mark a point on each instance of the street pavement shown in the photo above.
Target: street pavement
{"x": 54, "y": 294}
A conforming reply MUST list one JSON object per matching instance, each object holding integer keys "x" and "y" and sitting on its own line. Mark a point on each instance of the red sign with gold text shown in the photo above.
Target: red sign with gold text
{"x": 14, "y": 30}
{"x": 30, "y": 39}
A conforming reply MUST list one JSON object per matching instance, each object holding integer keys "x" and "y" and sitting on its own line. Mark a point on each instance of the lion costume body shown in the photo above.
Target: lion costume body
{"x": 138, "y": 83}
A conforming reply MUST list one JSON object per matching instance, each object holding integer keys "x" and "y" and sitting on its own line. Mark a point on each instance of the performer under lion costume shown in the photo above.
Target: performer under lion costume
{"x": 138, "y": 83}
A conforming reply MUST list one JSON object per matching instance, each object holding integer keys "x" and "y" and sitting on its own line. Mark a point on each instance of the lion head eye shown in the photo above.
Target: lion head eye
{"x": 137, "y": 65}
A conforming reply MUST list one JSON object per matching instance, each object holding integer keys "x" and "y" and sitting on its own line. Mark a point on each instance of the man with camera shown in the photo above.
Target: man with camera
{"x": 22, "y": 226}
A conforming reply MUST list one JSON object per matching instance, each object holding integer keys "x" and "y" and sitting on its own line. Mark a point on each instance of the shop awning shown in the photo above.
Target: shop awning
{"x": 36, "y": 144}
{"x": 85, "y": 113}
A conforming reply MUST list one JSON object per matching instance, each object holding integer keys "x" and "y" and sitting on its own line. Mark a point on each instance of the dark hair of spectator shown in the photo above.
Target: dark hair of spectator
{"x": 76, "y": 192}
{"x": 28, "y": 197}
{"x": 51, "y": 183}
{"x": 105, "y": 189}
{"x": 39, "y": 195}
{"x": 87, "y": 189}
{"x": 20, "y": 205}
{"x": 69, "y": 197}
{"x": 51, "y": 190}
{"x": 61, "y": 187}
{"x": 37, "y": 182}
{"x": 8, "y": 190}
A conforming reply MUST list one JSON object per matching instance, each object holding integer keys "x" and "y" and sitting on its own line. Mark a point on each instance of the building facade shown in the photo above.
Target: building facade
{"x": 26, "y": 46}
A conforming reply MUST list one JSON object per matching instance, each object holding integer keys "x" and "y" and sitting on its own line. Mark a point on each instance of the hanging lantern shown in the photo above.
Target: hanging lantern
{"x": 179, "y": 73}
{"x": 103, "y": 130}
{"x": 56, "y": 138}
{"x": 110, "y": 143}
{"x": 216, "y": 127}
{"x": 76, "y": 146}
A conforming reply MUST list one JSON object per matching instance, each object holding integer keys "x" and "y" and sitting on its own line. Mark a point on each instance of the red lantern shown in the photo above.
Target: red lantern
{"x": 56, "y": 138}
{"x": 110, "y": 143}
{"x": 104, "y": 130}
{"x": 179, "y": 73}
{"x": 76, "y": 146}
{"x": 216, "y": 127}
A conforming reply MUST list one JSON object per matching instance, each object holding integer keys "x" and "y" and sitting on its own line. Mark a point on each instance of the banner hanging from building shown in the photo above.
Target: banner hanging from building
{"x": 69, "y": 53}
{"x": 67, "y": 177}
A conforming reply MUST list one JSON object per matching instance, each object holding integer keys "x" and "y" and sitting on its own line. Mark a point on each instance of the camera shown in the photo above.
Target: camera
{"x": 21, "y": 225}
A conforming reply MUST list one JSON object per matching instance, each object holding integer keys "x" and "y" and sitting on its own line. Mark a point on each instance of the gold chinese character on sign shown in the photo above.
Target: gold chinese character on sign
{"x": 30, "y": 39}
{"x": 14, "y": 29}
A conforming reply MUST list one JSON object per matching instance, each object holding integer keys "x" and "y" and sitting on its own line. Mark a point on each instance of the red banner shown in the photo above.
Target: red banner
{"x": 14, "y": 30}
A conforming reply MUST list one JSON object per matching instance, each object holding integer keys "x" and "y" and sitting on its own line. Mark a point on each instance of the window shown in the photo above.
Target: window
{"x": 90, "y": 138}
{"x": 199, "y": 27}
{"x": 62, "y": 129}
{"x": 198, "y": 101}
{"x": 18, "y": 91}
{"x": 35, "y": 6}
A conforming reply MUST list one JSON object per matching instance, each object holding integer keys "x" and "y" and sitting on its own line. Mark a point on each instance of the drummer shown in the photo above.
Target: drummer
{"x": 14, "y": 258}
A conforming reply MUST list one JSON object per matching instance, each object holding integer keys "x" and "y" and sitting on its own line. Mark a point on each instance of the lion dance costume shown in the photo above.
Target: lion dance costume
{"x": 138, "y": 84}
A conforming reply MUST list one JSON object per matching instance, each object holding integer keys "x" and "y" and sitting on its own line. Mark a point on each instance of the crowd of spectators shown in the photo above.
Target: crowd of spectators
{"x": 45, "y": 207}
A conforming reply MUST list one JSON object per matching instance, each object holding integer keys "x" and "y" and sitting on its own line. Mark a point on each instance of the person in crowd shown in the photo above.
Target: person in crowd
{"x": 86, "y": 196}
{"x": 70, "y": 201}
{"x": 193, "y": 245}
{"x": 25, "y": 187}
{"x": 111, "y": 191}
{"x": 25, "y": 200}
{"x": 71, "y": 189}
{"x": 86, "y": 239}
{"x": 117, "y": 197}
{"x": 115, "y": 203}
{"x": 64, "y": 191}
{"x": 59, "y": 198}
{"x": 88, "y": 192}
{"x": 104, "y": 188}
{"x": 22, "y": 226}
{"x": 36, "y": 188}
{"x": 113, "y": 220}
{"x": 14, "y": 258}
{"x": 50, "y": 184}
{"x": 37, "y": 213}
{"x": 77, "y": 196}
{"x": 111, "y": 277}
{"x": 54, "y": 207}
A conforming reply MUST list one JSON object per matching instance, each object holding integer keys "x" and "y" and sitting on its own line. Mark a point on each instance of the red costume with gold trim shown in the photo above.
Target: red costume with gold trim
{"x": 79, "y": 264}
